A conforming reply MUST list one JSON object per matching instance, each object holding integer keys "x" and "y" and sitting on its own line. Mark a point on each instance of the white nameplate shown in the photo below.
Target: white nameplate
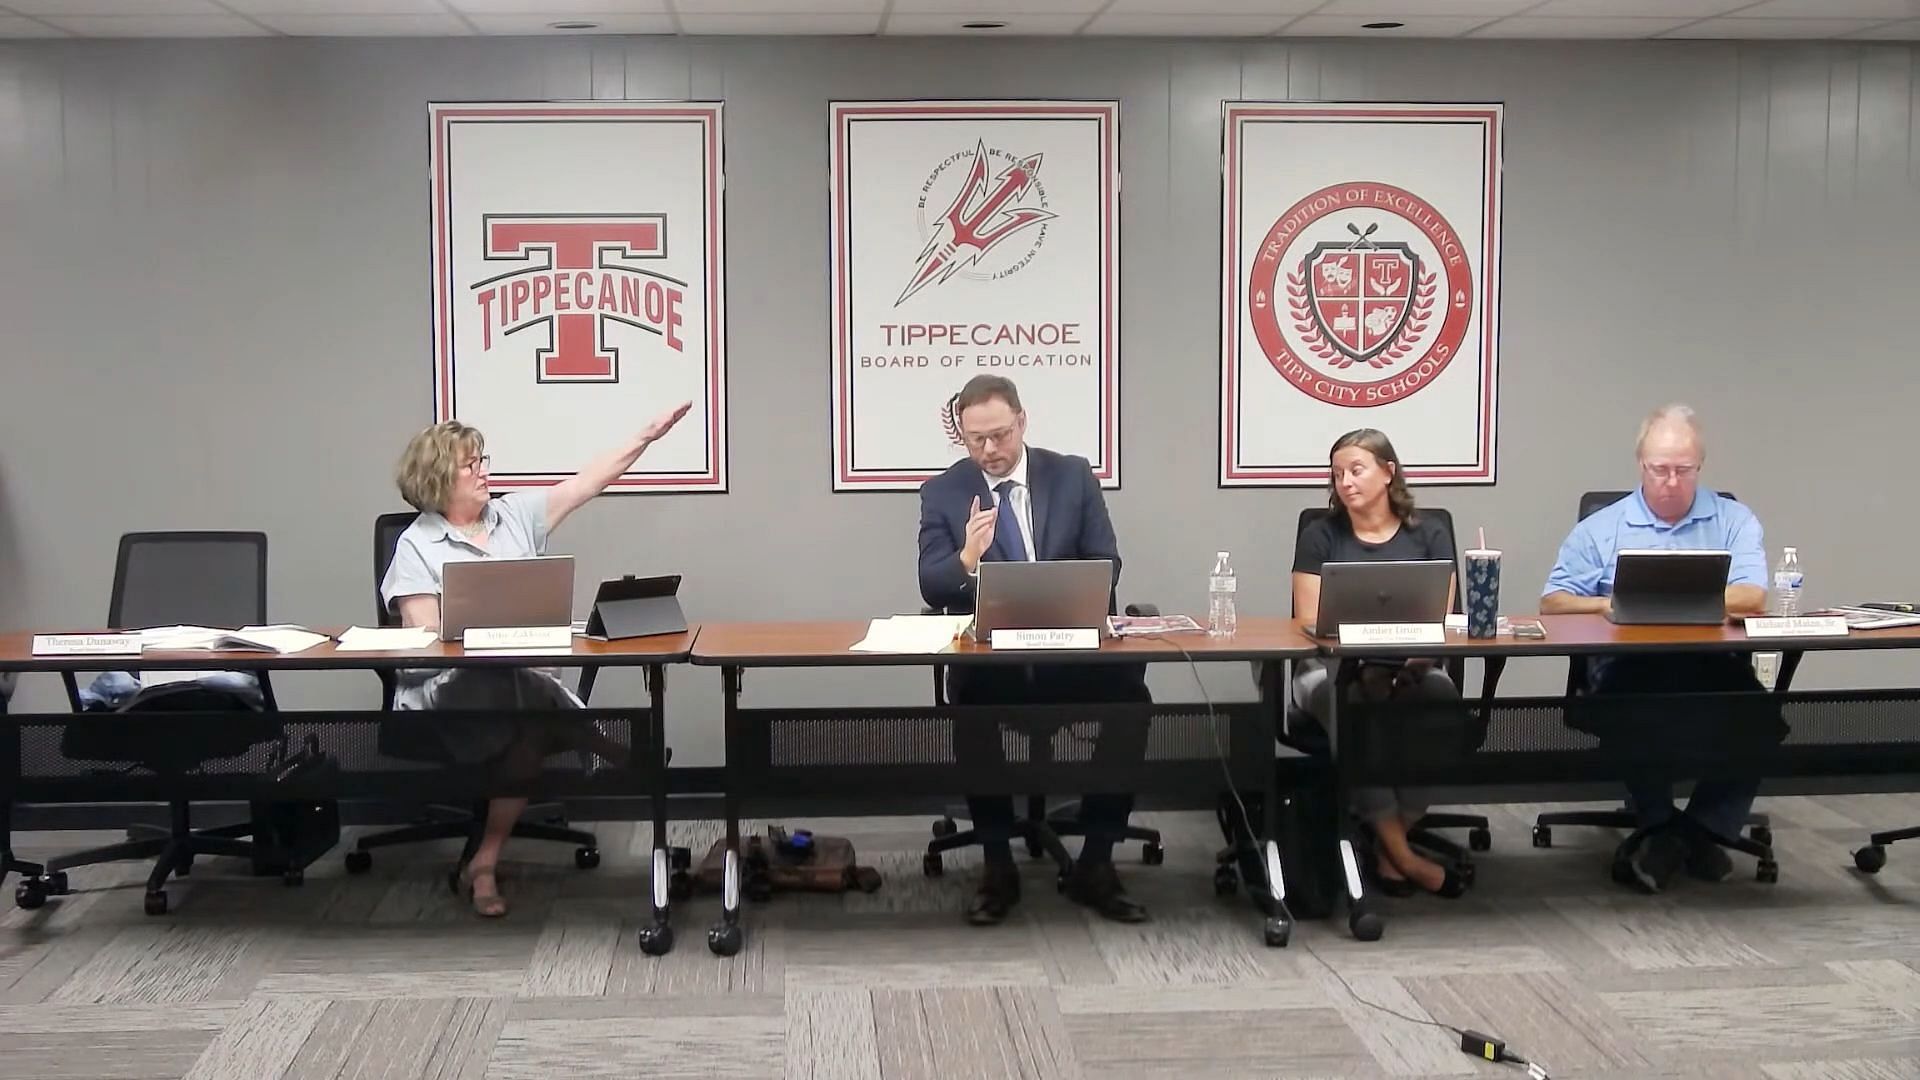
{"x": 86, "y": 644}
{"x": 1808, "y": 626}
{"x": 1390, "y": 633}
{"x": 1079, "y": 637}
{"x": 518, "y": 637}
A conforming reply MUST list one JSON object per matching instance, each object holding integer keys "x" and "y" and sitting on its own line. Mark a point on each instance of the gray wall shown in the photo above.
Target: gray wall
{"x": 213, "y": 289}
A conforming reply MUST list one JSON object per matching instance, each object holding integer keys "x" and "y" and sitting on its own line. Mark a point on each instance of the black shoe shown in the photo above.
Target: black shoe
{"x": 1653, "y": 864}
{"x": 1453, "y": 887}
{"x": 1708, "y": 861}
{"x": 1098, "y": 887}
{"x": 1399, "y": 888}
{"x": 998, "y": 891}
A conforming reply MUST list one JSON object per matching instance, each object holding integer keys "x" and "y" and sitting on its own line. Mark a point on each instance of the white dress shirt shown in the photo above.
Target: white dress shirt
{"x": 1022, "y": 498}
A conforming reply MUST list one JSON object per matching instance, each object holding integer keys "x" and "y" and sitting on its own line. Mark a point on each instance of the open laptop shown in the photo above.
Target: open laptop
{"x": 1670, "y": 588}
{"x": 1412, "y": 591}
{"x": 505, "y": 592}
{"x": 1063, "y": 594}
{"x": 631, "y": 606}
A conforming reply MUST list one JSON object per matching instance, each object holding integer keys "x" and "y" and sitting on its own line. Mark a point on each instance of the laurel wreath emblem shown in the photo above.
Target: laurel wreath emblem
{"x": 1410, "y": 330}
{"x": 950, "y": 420}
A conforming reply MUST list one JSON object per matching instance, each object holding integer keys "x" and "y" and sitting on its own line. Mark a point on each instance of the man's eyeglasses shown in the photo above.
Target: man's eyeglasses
{"x": 982, "y": 440}
{"x": 1669, "y": 472}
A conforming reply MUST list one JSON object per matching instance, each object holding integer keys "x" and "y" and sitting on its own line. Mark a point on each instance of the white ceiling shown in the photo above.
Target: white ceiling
{"x": 1857, "y": 20}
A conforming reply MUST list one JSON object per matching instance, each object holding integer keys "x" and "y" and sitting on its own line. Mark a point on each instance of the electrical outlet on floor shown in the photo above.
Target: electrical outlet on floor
{"x": 1766, "y": 668}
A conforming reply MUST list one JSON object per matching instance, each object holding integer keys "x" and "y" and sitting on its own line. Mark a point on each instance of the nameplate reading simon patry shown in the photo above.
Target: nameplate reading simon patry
{"x": 518, "y": 637}
{"x": 1079, "y": 637}
{"x": 1393, "y": 634}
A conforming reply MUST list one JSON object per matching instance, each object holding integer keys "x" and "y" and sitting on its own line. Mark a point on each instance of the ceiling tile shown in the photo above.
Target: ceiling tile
{"x": 13, "y": 26}
{"x": 823, "y": 23}
{"x": 1750, "y": 29}
{"x": 1182, "y": 8}
{"x": 1900, "y": 31}
{"x": 367, "y": 25}
{"x": 997, "y": 7}
{"x": 557, "y": 9}
{"x": 112, "y": 7}
{"x": 1669, "y": 9}
{"x": 1404, "y": 9}
{"x": 133, "y": 26}
{"x": 510, "y": 25}
{"x": 769, "y": 7}
{"x": 334, "y": 7}
{"x": 1188, "y": 25}
{"x": 1833, "y": 9}
{"x": 1532, "y": 26}
{"x": 921, "y": 23}
{"x": 1422, "y": 26}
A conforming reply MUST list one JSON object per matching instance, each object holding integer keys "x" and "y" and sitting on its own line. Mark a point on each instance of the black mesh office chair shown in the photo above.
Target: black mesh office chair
{"x": 1423, "y": 834}
{"x": 1039, "y": 828}
{"x": 1759, "y": 828}
{"x": 404, "y": 737}
{"x": 216, "y": 579}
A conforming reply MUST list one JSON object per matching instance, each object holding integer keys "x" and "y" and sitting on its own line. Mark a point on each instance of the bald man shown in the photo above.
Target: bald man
{"x": 1670, "y": 510}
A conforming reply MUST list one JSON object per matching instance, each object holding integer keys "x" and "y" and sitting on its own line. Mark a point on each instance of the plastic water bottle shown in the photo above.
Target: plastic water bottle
{"x": 1222, "y": 620}
{"x": 1787, "y": 580}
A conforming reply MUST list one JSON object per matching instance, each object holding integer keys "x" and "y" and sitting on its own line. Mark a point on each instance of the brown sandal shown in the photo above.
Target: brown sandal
{"x": 487, "y": 905}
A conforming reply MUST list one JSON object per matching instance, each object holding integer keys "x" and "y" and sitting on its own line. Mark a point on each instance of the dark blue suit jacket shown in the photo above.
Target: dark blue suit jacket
{"x": 1069, "y": 522}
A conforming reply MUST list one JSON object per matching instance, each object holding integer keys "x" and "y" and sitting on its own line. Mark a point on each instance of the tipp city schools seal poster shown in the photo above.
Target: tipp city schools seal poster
{"x": 972, "y": 238}
{"x": 578, "y": 285}
{"x": 1360, "y": 287}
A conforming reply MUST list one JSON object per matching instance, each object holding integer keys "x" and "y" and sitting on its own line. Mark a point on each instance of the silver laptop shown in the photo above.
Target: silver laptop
{"x": 488, "y": 593}
{"x": 1062, "y": 594}
{"x": 1413, "y": 591}
{"x": 1670, "y": 588}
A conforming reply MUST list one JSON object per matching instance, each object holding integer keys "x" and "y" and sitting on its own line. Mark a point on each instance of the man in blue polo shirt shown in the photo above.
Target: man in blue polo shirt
{"x": 1669, "y": 510}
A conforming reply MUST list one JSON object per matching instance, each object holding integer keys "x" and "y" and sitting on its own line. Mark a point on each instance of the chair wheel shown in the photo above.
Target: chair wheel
{"x": 359, "y": 862}
{"x": 931, "y": 866}
{"x": 293, "y": 878}
{"x": 1153, "y": 854}
{"x": 30, "y": 894}
{"x": 1869, "y": 859}
{"x": 1542, "y": 836}
{"x": 680, "y": 886}
{"x": 1276, "y": 932}
{"x": 656, "y": 940}
{"x": 945, "y": 827}
{"x": 586, "y": 858}
{"x": 1480, "y": 840}
{"x": 57, "y": 883}
{"x": 1366, "y": 926}
{"x": 1761, "y": 835}
{"x": 758, "y": 888}
{"x": 680, "y": 858}
{"x": 1768, "y": 872}
{"x": 157, "y": 903}
{"x": 724, "y": 940}
{"x": 1226, "y": 881}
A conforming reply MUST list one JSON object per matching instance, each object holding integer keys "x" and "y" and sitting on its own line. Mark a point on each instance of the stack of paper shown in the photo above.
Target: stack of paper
{"x": 384, "y": 638}
{"x": 273, "y": 639}
{"x": 913, "y": 633}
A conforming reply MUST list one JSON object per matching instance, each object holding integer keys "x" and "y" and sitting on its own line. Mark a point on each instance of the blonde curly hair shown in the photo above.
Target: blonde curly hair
{"x": 431, "y": 463}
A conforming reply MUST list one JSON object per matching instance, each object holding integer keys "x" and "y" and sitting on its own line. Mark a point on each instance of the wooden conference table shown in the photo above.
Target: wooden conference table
{"x": 1533, "y": 740}
{"x": 787, "y": 751}
{"x": 328, "y": 754}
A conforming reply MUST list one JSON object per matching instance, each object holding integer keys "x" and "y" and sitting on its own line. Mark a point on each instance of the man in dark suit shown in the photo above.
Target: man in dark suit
{"x": 1012, "y": 502}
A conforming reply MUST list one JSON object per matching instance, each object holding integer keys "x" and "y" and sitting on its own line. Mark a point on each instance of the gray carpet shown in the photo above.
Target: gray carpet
{"x": 388, "y": 976}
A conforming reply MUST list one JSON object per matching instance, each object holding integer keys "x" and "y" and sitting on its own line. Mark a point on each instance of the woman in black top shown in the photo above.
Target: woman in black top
{"x": 1371, "y": 518}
